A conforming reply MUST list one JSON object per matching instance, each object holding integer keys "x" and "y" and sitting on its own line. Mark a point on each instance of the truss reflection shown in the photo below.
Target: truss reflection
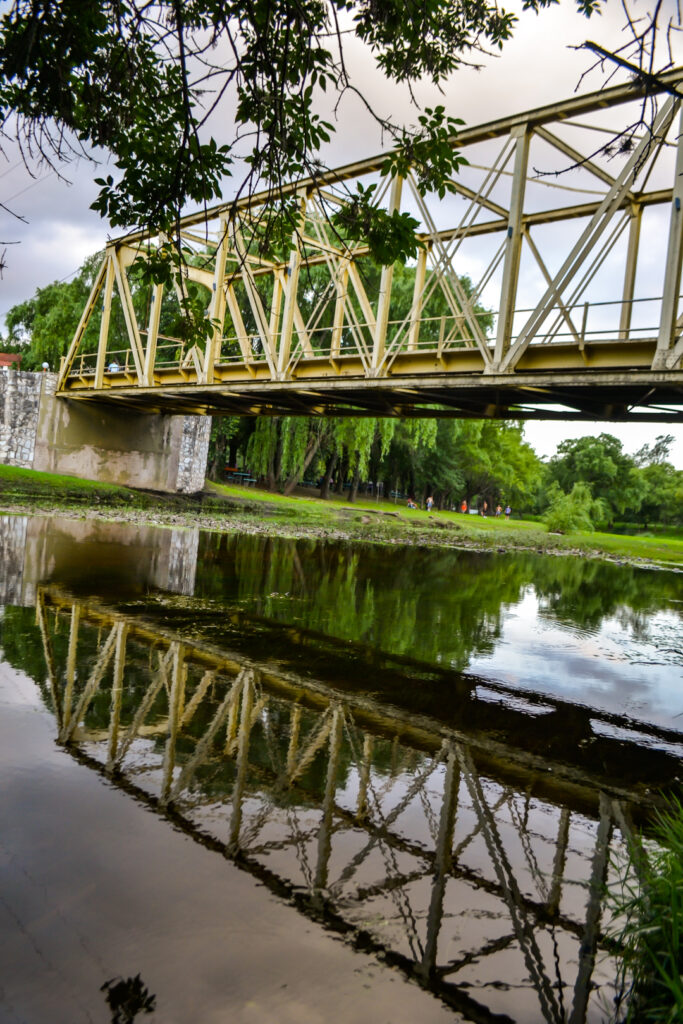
{"x": 476, "y": 867}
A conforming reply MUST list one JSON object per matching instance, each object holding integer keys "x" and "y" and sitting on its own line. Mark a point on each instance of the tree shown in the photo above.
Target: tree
{"x": 575, "y": 512}
{"x": 663, "y": 495}
{"x": 142, "y": 81}
{"x": 42, "y": 326}
{"x": 600, "y": 463}
{"x": 650, "y": 455}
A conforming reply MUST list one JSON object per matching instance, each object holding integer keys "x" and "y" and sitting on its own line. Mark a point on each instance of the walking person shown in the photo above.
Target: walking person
{"x": 508, "y": 510}
{"x": 430, "y": 503}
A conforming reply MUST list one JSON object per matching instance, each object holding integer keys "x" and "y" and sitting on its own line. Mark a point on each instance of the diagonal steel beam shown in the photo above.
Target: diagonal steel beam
{"x": 590, "y": 236}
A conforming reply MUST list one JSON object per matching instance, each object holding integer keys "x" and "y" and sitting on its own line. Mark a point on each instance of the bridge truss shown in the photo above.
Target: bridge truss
{"x": 515, "y": 306}
{"x": 428, "y": 843}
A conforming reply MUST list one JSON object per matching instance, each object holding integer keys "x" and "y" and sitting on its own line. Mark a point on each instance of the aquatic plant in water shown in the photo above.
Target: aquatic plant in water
{"x": 649, "y": 906}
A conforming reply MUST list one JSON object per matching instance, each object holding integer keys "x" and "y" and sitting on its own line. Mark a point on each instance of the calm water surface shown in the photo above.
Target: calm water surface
{"x": 253, "y": 779}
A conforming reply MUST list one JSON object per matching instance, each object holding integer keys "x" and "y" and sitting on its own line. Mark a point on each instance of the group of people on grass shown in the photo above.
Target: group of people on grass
{"x": 484, "y": 510}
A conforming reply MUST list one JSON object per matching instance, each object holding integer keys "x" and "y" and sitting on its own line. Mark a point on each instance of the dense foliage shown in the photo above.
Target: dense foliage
{"x": 612, "y": 486}
{"x": 149, "y": 83}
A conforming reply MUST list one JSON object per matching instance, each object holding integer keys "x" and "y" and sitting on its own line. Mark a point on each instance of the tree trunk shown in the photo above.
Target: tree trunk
{"x": 308, "y": 458}
{"x": 218, "y": 461}
{"x": 273, "y": 474}
{"x": 353, "y": 489}
{"x": 329, "y": 472}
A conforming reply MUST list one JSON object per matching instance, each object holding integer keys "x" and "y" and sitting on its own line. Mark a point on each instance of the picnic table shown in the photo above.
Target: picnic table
{"x": 241, "y": 477}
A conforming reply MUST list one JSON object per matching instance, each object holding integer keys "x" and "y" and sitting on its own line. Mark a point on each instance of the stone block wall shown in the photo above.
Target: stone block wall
{"x": 194, "y": 452}
{"x": 95, "y": 441}
{"x": 12, "y": 545}
{"x": 20, "y": 401}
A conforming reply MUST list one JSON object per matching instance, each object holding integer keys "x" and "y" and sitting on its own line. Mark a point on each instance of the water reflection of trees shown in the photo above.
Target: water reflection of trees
{"x": 437, "y": 606}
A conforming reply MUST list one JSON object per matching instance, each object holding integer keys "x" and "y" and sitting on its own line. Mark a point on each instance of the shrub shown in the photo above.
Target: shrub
{"x": 575, "y": 512}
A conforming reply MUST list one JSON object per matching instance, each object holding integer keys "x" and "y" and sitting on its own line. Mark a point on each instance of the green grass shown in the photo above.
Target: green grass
{"x": 357, "y": 521}
{"x": 489, "y": 532}
{"x": 32, "y": 481}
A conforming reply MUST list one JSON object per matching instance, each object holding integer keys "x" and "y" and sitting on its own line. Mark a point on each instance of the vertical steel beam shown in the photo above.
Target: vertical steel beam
{"x": 341, "y": 286}
{"x": 152, "y": 334}
{"x": 294, "y": 730}
{"x": 513, "y": 251}
{"x": 242, "y": 761}
{"x": 116, "y": 695}
{"x": 587, "y": 950}
{"x": 217, "y": 305}
{"x": 674, "y": 254}
{"x": 555, "y": 892}
{"x": 364, "y": 777}
{"x": 418, "y": 292}
{"x": 104, "y": 324}
{"x": 630, "y": 271}
{"x": 175, "y": 703}
{"x": 231, "y": 728}
{"x": 380, "y": 333}
{"x": 275, "y": 307}
{"x": 325, "y": 831}
{"x": 71, "y": 667}
{"x": 291, "y": 288}
{"x": 442, "y": 863}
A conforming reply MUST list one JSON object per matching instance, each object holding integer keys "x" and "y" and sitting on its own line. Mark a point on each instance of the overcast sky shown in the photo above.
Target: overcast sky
{"x": 539, "y": 66}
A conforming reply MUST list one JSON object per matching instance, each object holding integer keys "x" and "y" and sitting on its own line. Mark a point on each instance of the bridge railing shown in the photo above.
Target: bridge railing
{"x": 582, "y": 323}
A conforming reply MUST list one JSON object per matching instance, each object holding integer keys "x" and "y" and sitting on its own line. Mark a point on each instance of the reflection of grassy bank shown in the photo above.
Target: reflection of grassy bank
{"x": 233, "y": 508}
{"x": 652, "y": 935}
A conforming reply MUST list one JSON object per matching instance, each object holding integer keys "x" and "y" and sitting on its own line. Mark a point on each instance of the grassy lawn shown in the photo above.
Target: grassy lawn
{"x": 14, "y": 479}
{"x": 228, "y": 506}
{"x": 489, "y": 532}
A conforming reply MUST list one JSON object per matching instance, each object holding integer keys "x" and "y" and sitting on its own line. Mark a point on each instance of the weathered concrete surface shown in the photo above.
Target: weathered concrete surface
{"x": 161, "y": 452}
{"x": 40, "y": 549}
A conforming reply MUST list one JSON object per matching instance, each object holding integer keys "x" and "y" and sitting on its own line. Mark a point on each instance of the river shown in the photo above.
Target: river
{"x": 252, "y": 779}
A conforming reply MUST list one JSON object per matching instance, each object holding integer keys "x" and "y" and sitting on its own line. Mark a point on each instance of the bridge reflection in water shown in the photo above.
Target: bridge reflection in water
{"x": 474, "y": 863}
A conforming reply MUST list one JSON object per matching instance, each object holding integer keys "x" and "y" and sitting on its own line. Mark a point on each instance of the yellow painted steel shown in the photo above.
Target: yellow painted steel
{"x": 324, "y": 324}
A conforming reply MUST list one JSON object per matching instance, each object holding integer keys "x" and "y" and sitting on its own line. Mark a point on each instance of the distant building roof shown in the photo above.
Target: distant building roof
{"x": 7, "y": 358}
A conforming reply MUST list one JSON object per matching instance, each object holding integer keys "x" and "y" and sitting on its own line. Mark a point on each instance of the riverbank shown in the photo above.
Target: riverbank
{"x": 236, "y": 509}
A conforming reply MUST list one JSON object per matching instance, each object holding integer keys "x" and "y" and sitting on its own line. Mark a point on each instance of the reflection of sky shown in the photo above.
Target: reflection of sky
{"x": 607, "y": 668}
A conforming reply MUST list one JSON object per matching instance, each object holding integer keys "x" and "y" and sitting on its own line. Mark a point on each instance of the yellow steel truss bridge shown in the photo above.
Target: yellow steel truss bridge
{"x": 547, "y": 285}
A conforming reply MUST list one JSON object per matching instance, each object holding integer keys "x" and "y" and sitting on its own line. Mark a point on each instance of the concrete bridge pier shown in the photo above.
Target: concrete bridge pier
{"x": 159, "y": 451}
